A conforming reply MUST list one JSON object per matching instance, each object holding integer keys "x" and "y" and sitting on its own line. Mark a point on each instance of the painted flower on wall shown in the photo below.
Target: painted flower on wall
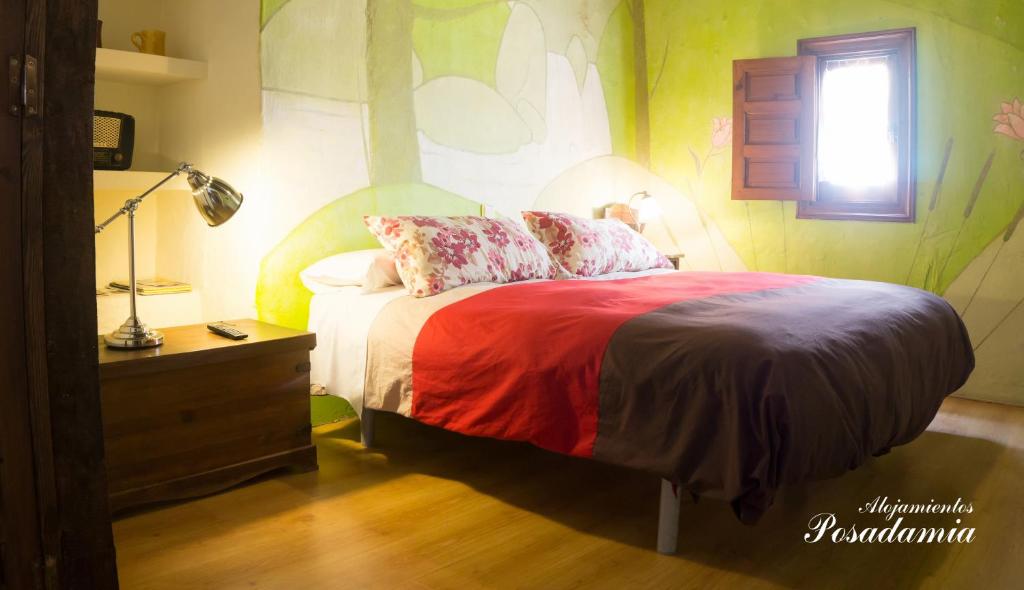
{"x": 721, "y": 132}
{"x": 721, "y": 139}
{"x": 1010, "y": 122}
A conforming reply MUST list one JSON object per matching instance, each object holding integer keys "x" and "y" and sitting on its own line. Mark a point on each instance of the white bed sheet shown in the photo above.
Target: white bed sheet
{"x": 342, "y": 319}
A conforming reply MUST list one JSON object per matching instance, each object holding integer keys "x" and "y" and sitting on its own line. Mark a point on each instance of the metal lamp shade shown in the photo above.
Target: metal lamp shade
{"x": 216, "y": 200}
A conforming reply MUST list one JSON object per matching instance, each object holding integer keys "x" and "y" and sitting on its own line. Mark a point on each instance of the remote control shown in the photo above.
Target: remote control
{"x": 227, "y": 330}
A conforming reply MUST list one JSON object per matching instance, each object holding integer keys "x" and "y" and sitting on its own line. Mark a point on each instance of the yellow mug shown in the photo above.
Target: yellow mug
{"x": 150, "y": 41}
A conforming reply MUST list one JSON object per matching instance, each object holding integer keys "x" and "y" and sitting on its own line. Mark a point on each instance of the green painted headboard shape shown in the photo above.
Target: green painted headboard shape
{"x": 280, "y": 296}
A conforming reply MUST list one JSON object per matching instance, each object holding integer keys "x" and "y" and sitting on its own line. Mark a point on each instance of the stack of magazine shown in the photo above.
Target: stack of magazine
{"x": 155, "y": 286}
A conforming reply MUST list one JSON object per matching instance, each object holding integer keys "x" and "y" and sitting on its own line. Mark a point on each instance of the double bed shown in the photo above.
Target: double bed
{"x": 725, "y": 385}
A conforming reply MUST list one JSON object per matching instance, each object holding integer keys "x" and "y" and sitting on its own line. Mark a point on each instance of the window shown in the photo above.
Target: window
{"x": 865, "y": 147}
{"x": 833, "y": 131}
{"x": 855, "y": 147}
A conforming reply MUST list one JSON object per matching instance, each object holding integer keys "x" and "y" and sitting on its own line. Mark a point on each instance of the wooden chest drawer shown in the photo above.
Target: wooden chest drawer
{"x": 184, "y": 422}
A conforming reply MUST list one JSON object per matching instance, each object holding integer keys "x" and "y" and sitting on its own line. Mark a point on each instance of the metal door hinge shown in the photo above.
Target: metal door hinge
{"x": 30, "y": 86}
{"x": 23, "y": 86}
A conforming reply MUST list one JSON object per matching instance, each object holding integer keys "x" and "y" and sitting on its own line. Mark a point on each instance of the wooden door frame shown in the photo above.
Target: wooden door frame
{"x": 20, "y": 531}
{"x": 52, "y": 478}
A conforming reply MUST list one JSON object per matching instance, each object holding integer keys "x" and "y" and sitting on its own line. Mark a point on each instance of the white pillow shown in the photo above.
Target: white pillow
{"x": 382, "y": 273}
{"x": 370, "y": 269}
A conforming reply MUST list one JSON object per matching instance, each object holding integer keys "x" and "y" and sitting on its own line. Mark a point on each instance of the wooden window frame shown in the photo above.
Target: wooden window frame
{"x": 901, "y": 45}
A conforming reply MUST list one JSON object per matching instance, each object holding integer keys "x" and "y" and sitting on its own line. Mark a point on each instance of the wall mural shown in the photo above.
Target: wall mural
{"x": 989, "y": 293}
{"x": 521, "y": 104}
{"x": 514, "y": 104}
{"x": 966, "y": 244}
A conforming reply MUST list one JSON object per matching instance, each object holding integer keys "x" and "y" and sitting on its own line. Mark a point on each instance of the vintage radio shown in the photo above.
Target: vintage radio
{"x": 113, "y": 139}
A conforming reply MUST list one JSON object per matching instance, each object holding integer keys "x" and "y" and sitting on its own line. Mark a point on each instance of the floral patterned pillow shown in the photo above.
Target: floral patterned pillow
{"x": 435, "y": 254}
{"x": 590, "y": 247}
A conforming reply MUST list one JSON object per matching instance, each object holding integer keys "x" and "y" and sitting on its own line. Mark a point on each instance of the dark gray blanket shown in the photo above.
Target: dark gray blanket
{"x": 737, "y": 394}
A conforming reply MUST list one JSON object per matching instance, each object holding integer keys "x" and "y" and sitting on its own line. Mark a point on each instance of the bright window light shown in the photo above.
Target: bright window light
{"x": 855, "y": 145}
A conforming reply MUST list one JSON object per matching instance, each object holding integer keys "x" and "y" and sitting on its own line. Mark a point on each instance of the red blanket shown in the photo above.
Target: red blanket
{"x": 523, "y": 362}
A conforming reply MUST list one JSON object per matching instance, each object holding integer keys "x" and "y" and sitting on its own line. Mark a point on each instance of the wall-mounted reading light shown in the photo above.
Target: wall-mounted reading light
{"x": 640, "y": 209}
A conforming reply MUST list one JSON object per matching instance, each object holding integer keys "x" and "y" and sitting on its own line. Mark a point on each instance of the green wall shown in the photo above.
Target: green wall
{"x": 966, "y": 67}
{"x": 964, "y": 244}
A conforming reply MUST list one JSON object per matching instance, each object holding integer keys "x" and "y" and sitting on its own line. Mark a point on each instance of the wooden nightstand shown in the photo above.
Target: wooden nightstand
{"x": 675, "y": 259}
{"x": 202, "y": 413}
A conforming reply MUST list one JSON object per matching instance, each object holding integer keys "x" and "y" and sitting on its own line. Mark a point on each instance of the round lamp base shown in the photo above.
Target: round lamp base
{"x": 133, "y": 334}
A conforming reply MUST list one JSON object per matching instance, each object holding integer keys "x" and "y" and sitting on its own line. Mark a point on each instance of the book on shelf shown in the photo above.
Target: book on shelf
{"x": 155, "y": 286}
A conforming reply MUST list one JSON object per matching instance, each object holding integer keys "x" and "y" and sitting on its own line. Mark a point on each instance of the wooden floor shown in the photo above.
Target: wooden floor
{"x": 432, "y": 509}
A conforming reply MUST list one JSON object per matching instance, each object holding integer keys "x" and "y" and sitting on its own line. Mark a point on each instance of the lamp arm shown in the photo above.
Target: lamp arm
{"x": 641, "y": 195}
{"x": 629, "y": 207}
{"x": 133, "y": 203}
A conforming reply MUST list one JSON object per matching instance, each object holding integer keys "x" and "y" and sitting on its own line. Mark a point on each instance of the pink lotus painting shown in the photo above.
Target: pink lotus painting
{"x": 721, "y": 132}
{"x": 1010, "y": 121}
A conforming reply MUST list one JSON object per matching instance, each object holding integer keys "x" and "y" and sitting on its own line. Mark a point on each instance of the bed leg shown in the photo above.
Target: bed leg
{"x": 366, "y": 427}
{"x": 668, "y": 518}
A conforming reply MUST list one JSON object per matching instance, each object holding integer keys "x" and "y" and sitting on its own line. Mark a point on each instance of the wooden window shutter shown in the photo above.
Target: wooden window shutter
{"x": 774, "y": 128}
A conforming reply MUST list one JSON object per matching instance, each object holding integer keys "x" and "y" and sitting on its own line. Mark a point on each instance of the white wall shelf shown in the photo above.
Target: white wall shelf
{"x": 135, "y": 180}
{"x": 158, "y": 311}
{"x": 140, "y": 68}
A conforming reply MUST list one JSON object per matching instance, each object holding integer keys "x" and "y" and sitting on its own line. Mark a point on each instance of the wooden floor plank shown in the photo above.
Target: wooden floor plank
{"x": 431, "y": 509}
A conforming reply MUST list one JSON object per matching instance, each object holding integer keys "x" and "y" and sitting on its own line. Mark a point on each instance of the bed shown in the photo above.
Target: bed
{"x": 725, "y": 385}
